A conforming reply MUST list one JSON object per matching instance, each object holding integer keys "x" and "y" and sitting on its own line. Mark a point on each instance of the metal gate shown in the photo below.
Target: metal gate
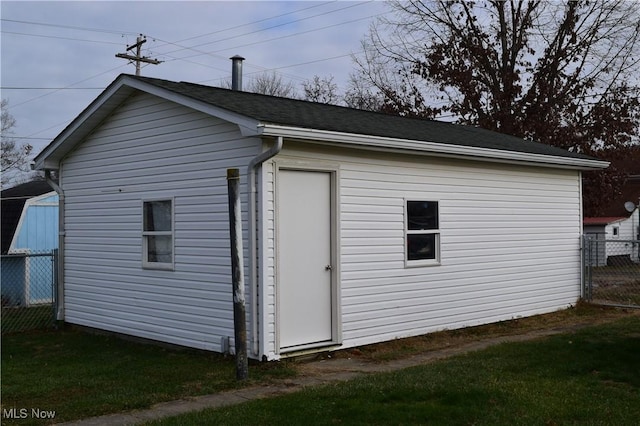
{"x": 28, "y": 290}
{"x": 612, "y": 271}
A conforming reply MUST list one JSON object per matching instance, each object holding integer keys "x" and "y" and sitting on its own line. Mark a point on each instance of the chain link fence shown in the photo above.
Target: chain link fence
{"x": 28, "y": 291}
{"x": 612, "y": 271}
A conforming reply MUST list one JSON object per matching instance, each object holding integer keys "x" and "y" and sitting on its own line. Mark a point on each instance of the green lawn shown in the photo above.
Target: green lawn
{"x": 15, "y": 319}
{"x": 591, "y": 377}
{"x": 79, "y": 375}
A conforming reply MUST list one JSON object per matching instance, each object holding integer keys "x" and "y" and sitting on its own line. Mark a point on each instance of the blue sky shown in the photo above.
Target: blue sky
{"x": 57, "y": 56}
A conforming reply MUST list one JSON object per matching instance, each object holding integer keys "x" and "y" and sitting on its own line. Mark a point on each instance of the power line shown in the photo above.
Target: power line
{"x": 175, "y": 43}
{"x": 48, "y": 128}
{"x": 49, "y": 88}
{"x": 57, "y": 90}
{"x": 202, "y": 53}
{"x": 262, "y": 29}
{"x": 60, "y": 38}
{"x": 45, "y": 24}
{"x": 293, "y": 66}
{"x": 247, "y": 24}
{"x": 29, "y": 137}
{"x": 295, "y": 34}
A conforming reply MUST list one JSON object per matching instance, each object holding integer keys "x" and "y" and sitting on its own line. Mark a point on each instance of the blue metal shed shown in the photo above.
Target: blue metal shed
{"x": 29, "y": 228}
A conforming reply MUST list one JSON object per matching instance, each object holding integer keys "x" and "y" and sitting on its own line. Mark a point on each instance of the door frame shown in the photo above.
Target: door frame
{"x": 336, "y": 325}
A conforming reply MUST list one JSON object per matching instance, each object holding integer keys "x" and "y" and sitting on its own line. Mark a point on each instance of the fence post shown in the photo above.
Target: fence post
{"x": 588, "y": 264}
{"x": 54, "y": 284}
{"x": 586, "y": 258}
{"x": 237, "y": 269}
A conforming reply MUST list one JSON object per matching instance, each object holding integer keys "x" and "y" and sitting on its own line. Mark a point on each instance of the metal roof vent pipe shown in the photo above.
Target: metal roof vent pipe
{"x": 236, "y": 72}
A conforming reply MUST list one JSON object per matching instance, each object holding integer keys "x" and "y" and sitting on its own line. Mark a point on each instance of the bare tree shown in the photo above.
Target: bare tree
{"x": 562, "y": 73}
{"x": 361, "y": 94}
{"x": 321, "y": 89}
{"x": 14, "y": 156}
{"x": 270, "y": 83}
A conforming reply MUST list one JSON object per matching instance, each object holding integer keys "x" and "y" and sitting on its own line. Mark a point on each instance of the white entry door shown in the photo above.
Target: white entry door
{"x": 304, "y": 257}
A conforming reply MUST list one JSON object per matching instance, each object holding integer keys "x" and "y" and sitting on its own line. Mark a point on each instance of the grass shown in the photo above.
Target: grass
{"x": 590, "y": 377}
{"x": 618, "y": 284}
{"x": 21, "y": 318}
{"x": 618, "y": 295}
{"x": 81, "y": 375}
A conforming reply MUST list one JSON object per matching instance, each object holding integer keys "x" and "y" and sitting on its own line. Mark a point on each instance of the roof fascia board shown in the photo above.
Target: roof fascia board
{"x": 432, "y": 148}
{"x": 125, "y": 85}
{"x": 42, "y": 160}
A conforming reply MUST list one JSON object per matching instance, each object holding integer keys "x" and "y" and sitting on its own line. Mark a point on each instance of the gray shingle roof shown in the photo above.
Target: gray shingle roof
{"x": 310, "y": 115}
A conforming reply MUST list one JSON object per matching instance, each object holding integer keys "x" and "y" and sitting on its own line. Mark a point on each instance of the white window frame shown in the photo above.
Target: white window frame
{"x": 146, "y": 264}
{"x": 420, "y": 262}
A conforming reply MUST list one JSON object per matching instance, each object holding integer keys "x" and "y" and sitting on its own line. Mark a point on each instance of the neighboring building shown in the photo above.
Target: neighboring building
{"x": 362, "y": 228}
{"x": 29, "y": 227}
{"x": 619, "y": 226}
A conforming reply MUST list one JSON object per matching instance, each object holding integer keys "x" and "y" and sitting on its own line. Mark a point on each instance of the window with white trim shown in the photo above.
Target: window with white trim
{"x": 616, "y": 231}
{"x": 157, "y": 234}
{"x": 422, "y": 233}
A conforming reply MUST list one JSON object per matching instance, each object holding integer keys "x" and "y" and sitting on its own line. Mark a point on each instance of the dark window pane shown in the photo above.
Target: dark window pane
{"x": 421, "y": 246}
{"x": 159, "y": 248}
{"x": 157, "y": 216}
{"x": 422, "y": 215}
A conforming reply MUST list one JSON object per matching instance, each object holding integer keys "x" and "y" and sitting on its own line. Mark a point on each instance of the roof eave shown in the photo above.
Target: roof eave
{"x": 104, "y": 105}
{"x": 49, "y": 157}
{"x": 431, "y": 148}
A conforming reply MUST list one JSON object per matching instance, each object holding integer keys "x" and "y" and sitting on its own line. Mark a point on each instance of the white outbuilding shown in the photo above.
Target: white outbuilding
{"x": 359, "y": 227}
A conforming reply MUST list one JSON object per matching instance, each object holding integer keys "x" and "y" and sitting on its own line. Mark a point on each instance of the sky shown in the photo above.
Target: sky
{"x": 56, "y": 57}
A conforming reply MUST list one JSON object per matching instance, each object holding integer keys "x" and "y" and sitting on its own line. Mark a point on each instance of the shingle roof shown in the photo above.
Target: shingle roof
{"x": 304, "y": 114}
{"x": 602, "y": 220}
{"x": 12, "y": 201}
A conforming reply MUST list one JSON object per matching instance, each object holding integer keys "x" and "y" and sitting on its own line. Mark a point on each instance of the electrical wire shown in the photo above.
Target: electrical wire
{"x": 247, "y": 24}
{"x": 56, "y": 89}
{"x": 263, "y": 69}
{"x": 50, "y": 88}
{"x": 65, "y": 88}
{"x": 262, "y": 29}
{"x": 60, "y": 38}
{"x": 45, "y": 24}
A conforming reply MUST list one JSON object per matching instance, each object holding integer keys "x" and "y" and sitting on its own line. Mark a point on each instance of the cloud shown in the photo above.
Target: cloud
{"x": 79, "y": 40}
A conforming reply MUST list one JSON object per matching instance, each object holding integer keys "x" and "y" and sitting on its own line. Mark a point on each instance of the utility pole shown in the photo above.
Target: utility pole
{"x": 138, "y": 58}
{"x": 237, "y": 274}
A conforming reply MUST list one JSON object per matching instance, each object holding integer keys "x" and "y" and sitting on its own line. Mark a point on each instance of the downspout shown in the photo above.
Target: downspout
{"x": 253, "y": 250}
{"x": 61, "y": 234}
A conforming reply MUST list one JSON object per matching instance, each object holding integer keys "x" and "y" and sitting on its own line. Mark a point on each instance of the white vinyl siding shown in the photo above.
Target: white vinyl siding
{"x": 509, "y": 242}
{"x": 151, "y": 149}
{"x": 620, "y": 233}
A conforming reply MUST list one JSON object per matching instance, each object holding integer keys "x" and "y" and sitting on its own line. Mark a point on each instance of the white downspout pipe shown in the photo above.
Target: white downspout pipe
{"x": 61, "y": 234}
{"x": 253, "y": 249}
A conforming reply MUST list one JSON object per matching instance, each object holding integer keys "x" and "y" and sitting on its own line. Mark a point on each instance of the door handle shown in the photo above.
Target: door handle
{"x": 328, "y": 268}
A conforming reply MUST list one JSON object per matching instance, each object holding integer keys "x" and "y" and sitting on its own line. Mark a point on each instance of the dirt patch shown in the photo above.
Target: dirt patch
{"x": 433, "y": 346}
